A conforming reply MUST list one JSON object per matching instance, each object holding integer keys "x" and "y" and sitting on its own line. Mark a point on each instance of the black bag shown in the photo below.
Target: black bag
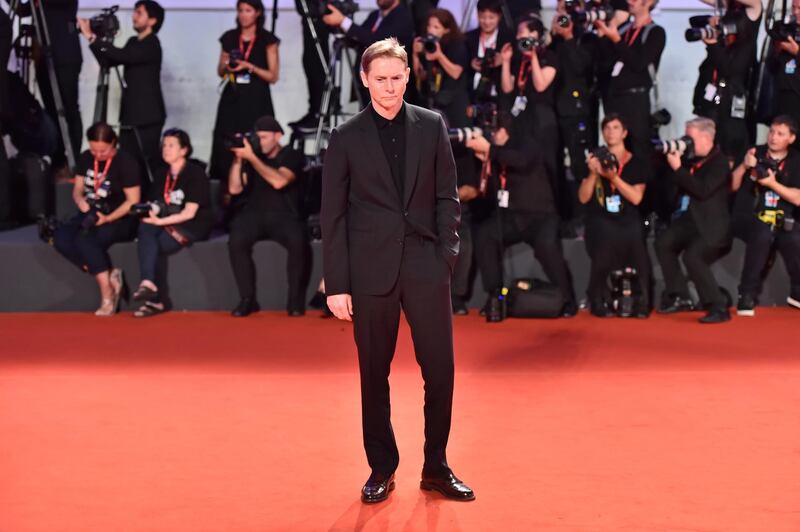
{"x": 534, "y": 298}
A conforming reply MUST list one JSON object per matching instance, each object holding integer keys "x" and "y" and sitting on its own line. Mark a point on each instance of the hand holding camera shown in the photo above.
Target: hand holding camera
{"x": 334, "y": 17}
{"x": 790, "y": 46}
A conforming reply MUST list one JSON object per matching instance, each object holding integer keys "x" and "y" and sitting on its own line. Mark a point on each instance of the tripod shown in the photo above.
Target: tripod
{"x": 42, "y": 35}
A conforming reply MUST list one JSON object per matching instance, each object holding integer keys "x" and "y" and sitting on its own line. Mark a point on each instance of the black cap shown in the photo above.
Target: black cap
{"x": 267, "y": 123}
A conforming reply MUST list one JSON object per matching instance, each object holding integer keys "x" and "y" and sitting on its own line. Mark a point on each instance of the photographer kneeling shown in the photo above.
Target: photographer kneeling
{"x": 775, "y": 168}
{"x": 615, "y": 237}
{"x": 177, "y": 214}
{"x": 106, "y": 186}
{"x": 700, "y": 229}
{"x": 271, "y": 211}
{"x": 526, "y": 209}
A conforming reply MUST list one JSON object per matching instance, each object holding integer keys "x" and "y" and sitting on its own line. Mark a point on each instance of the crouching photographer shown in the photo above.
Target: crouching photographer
{"x": 106, "y": 186}
{"x": 700, "y": 229}
{"x": 525, "y": 210}
{"x": 177, "y": 214}
{"x": 267, "y": 175}
{"x": 615, "y": 237}
{"x": 775, "y": 169}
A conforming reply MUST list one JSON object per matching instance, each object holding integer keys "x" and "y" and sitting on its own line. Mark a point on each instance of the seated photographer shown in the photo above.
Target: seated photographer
{"x": 614, "y": 236}
{"x": 525, "y": 209}
{"x": 142, "y": 105}
{"x": 248, "y": 64}
{"x": 700, "y": 229}
{"x": 106, "y": 186}
{"x": 635, "y": 50}
{"x": 483, "y": 46}
{"x": 783, "y": 63}
{"x": 177, "y": 214}
{"x": 775, "y": 168}
{"x": 722, "y": 85}
{"x": 527, "y": 78}
{"x": 267, "y": 174}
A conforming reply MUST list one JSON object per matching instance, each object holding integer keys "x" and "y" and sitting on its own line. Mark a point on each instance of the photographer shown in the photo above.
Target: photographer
{"x": 142, "y": 104}
{"x": 312, "y": 64}
{"x": 483, "y": 46}
{"x": 635, "y": 49}
{"x": 701, "y": 226}
{"x": 525, "y": 209}
{"x": 527, "y": 79}
{"x": 721, "y": 89}
{"x": 783, "y": 64}
{"x": 267, "y": 174}
{"x": 248, "y": 64}
{"x": 615, "y": 238}
{"x": 775, "y": 168}
{"x": 177, "y": 214}
{"x": 106, "y": 186}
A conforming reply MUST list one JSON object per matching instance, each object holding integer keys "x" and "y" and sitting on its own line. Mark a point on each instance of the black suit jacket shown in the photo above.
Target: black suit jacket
{"x": 709, "y": 191}
{"x": 142, "y": 102}
{"x": 364, "y": 220}
{"x": 397, "y": 23}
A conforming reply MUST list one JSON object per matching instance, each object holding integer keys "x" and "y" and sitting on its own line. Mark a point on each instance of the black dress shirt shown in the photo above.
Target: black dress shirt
{"x": 392, "y": 135}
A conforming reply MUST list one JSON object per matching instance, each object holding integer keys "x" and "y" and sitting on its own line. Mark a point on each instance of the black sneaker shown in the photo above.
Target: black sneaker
{"x": 459, "y": 306}
{"x": 599, "y": 309}
{"x": 676, "y": 304}
{"x": 746, "y": 306}
{"x": 716, "y": 316}
{"x": 245, "y": 307}
{"x": 570, "y": 310}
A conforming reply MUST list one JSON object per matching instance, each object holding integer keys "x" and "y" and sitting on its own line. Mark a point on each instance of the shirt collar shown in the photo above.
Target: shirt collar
{"x": 382, "y": 123}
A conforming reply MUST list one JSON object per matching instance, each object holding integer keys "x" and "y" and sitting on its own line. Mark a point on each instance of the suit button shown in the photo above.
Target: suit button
{"x": 405, "y": 213}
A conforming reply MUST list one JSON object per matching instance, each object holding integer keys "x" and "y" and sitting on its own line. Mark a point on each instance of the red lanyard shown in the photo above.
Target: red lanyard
{"x": 169, "y": 186}
{"x": 697, "y": 166}
{"x": 99, "y": 178}
{"x": 522, "y": 78}
{"x": 246, "y": 54}
{"x": 636, "y": 33}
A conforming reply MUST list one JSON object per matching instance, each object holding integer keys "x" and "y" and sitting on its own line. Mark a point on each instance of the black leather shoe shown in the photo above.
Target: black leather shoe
{"x": 245, "y": 307}
{"x": 599, "y": 309}
{"x": 719, "y": 315}
{"x": 448, "y": 485}
{"x": 676, "y": 304}
{"x": 459, "y": 306}
{"x": 377, "y": 487}
{"x": 569, "y": 310}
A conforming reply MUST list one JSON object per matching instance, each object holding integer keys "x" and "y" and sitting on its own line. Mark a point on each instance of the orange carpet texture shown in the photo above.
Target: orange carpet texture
{"x": 201, "y": 422}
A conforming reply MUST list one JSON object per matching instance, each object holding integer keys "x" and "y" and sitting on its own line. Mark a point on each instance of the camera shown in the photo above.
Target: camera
{"x": 462, "y": 135}
{"x": 608, "y": 161}
{"x": 782, "y": 30}
{"x": 764, "y": 164}
{"x": 661, "y": 117}
{"x": 234, "y": 57}
{"x": 590, "y": 12}
{"x": 429, "y": 43}
{"x": 105, "y": 25}
{"x": 158, "y": 207}
{"x": 527, "y": 44}
{"x": 624, "y": 285}
{"x": 484, "y": 116}
{"x": 348, "y": 8}
{"x": 96, "y": 206}
{"x": 236, "y": 140}
{"x": 700, "y": 28}
{"x": 683, "y": 146}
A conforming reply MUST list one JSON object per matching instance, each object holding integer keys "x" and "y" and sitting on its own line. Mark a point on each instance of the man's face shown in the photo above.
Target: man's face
{"x": 796, "y": 8}
{"x": 779, "y": 137}
{"x": 703, "y": 142}
{"x": 614, "y": 133}
{"x": 383, "y": 5}
{"x": 141, "y": 20}
{"x": 386, "y": 81}
{"x": 489, "y": 20}
{"x": 268, "y": 140}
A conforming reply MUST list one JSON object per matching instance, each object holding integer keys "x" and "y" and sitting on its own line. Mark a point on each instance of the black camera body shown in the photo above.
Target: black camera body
{"x": 587, "y": 13}
{"x": 764, "y": 164}
{"x": 684, "y": 146}
{"x": 157, "y": 207}
{"x": 237, "y": 141}
{"x": 96, "y": 206}
{"x": 484, "y": 116}
{"x": 234, "y": 56}
{"x": 624, "y": 291}
{"x": 105, "y": 25}
{"x": 782, "y": 30}
{"x": 608, "y": 161}
{"x": 700, "y": 28}
{"x": 487, "y": 61}
{"x": 526, "y": 44}
{"x": 429, "y": 43}
{"x": 319, "y": 9}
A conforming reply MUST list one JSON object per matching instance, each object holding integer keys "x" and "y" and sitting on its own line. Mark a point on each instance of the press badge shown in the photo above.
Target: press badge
{"x": 613, "y": 204}
{"x": 684, "y": 204}
{"x": 520, "y": 103}
{"x": 617, "y": 69}
{"x": 502, "y": 199}
{"x": 243, "y": 78}
{"x": 771, "y": 199}
{"x": 790, "y": 67}
{"x": 738, "y": 106}
{"x": 710, "y": 92}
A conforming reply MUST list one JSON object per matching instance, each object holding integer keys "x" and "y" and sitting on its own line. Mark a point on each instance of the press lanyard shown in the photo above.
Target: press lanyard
{"x": 246, "y": 54}
{"x": 522, "y": 77}
{"x": 169, "y": 186}
{"x": 99, "y": 179}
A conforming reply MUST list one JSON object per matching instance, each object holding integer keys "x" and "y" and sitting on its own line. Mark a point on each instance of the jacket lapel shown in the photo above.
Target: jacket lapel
{"x": 413, "y": 132}
{"x": 372, "y": 148}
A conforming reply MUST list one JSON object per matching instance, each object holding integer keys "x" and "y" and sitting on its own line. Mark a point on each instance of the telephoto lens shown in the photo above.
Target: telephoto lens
{"x": 682, "y": 146}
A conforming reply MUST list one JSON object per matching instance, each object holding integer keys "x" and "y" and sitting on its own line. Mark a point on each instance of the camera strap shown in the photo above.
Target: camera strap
{"x": 99, "y": 178}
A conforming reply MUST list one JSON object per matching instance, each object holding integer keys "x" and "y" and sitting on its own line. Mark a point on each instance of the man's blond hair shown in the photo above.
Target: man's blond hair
{"x": 389, "y": 48}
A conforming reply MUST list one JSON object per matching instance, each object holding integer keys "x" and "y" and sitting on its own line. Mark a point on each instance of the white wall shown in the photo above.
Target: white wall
{"x": 189, "y": 39}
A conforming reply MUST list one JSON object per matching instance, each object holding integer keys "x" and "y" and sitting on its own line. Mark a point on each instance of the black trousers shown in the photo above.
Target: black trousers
{"x": 315, "y": 73}
{"x": 683, "y": 237}
{"x": 616, "y": 244}
{"x": 423, "y": 293}
{"x": 88, "y": 250}
{"x": 149, "y": 154}
{"x": 575, "y": 139}
{"x": 760, "y": 239}
{"x": 250, "y": 226}
{"x": 68, "y": 84}
{"x": 541, "y": 234}
{"x": 463, "y": 269}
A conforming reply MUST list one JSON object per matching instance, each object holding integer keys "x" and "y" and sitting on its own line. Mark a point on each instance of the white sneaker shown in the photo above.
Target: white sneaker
{"x": 793, "y": 302}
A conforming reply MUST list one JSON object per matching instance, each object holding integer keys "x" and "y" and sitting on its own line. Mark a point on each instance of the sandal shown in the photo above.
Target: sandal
{"x": 144, "y": 293}
{"x": 150, "y": 309}
{"x": 107, "y": 308}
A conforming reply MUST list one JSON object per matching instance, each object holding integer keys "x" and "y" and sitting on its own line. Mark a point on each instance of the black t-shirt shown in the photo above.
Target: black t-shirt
{"x": 263, "y": 197}
{"x": 258, "y": 52}
{"x": 191, "y": 187}
{"x": 575, "y": 78}
{"x": 639, "y": 50}
{"x": 788, "y": 175}
{"x": 449, "y": 94}
{"x": 547, "y": 58}
{"x": 611, "y": 204}
{"x": 116, "y": 174}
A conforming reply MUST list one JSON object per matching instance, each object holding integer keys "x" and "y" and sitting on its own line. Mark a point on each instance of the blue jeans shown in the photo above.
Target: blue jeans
{"x": 154, "y": 245}
{"x": 88, "y": 250}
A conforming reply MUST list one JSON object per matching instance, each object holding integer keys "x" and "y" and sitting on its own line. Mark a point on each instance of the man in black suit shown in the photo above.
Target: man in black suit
{"x": 142, "y": 105}
{"x": 700, "y": 229}
{"x": 389, "y": 217}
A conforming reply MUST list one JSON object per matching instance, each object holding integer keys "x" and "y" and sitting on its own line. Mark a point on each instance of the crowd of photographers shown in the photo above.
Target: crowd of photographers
{"x": 522, "y": 98}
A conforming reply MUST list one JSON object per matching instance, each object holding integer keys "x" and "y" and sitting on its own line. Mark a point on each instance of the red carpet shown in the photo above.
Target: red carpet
{"x": 199, "y": 422}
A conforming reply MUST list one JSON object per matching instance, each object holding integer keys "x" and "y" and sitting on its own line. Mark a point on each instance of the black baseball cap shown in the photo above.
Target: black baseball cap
{"x": 267, "y": 123}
